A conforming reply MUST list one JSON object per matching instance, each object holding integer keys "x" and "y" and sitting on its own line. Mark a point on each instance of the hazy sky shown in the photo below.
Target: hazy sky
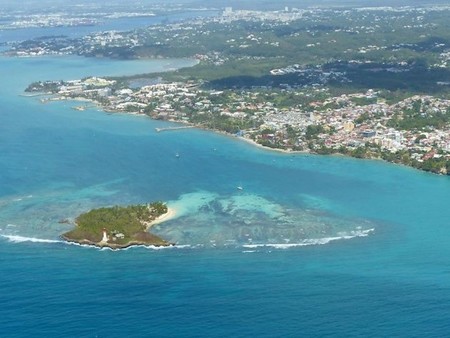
{"x": 33, "y": 4}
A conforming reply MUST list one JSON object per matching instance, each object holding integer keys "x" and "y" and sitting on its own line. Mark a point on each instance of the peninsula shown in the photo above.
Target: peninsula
{"x": 119, "y": 227}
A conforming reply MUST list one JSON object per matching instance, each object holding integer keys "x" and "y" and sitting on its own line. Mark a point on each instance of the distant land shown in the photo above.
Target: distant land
{"x": 272, "y": 5}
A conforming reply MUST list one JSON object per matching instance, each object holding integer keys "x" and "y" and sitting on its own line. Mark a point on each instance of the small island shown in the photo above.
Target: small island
{"x": 119, "y": 227}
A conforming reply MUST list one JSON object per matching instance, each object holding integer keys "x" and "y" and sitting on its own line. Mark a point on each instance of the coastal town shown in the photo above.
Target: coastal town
{"x": 359, "y": 124}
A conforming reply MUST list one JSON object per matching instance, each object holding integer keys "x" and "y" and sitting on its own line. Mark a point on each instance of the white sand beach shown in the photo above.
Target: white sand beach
{"x": 170, "y": 214}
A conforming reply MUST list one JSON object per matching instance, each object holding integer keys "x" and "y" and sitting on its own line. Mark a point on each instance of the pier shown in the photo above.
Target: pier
{"x": 172, "y": 128}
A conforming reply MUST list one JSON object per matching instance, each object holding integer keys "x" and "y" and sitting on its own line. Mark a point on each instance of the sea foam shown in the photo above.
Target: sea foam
{"x": 21, "y": 239}
{"x": 312, "y": 241}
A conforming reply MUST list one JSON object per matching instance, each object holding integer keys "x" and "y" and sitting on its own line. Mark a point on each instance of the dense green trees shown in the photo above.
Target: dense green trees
{"x": 122, "y": 224}
{"x": 313, "y": 130}
{"x": 419, "y": 119}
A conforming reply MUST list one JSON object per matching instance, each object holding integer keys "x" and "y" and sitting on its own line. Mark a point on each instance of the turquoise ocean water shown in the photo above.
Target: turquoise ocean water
{"x": 311, "y": 246}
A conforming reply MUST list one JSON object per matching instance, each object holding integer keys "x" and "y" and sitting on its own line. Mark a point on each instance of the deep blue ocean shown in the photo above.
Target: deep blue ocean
{"x": 312, "y": 246}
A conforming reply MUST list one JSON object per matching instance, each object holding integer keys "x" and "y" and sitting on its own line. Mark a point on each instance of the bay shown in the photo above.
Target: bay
{"x": 110, "y": 24}
{"x": 311, "y": 246}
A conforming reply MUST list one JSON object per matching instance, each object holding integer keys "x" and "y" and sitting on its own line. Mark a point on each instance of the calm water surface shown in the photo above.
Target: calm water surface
{"x": 311, "y": 246}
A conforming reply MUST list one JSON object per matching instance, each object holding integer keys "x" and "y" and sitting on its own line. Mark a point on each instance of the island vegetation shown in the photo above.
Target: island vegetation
{"x": 118, "y": 227}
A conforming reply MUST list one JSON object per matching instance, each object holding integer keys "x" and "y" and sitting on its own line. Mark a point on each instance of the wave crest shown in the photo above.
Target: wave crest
{"x": 21, "y": 239}
{"x": 313, "y": 241}
{"x": 306, "y": 242}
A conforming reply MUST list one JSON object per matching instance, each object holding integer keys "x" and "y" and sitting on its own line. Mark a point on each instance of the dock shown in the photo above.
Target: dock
{"x": 172, "y": 128}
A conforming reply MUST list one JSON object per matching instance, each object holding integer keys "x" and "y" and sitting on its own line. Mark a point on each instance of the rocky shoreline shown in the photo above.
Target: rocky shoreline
{"x": 120, "y": 227}
{"x": 115, "y": 246}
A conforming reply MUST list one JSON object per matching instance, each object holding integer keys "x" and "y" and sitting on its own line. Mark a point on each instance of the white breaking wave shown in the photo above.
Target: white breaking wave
{"x": 21, "y": 239}
{"x": 306, "y": 242}
{"x": 149, "y": 247}
{"x": 106, "y": 248}
{"x": 154, "y": 247}
{"x": 81, "y": 245}
{"x": 313, "y": 241}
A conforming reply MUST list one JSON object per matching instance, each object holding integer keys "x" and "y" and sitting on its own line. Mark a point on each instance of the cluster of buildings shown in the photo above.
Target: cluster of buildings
{"x": 285, "y": 15}
{"x": 355, "y": 125}
{"x": 350, "y": 125}
{"x": 49, "y": 20}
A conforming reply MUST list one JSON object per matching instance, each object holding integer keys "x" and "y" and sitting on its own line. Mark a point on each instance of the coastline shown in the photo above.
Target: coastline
{"x": 336, "y": 154}
{"x": 113, "y": 246}
{"x": 252, "y": 142}
{"x": 111, "y": 110}
{"x": 265, "y": 148}
{"x": 278, "y": 150}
